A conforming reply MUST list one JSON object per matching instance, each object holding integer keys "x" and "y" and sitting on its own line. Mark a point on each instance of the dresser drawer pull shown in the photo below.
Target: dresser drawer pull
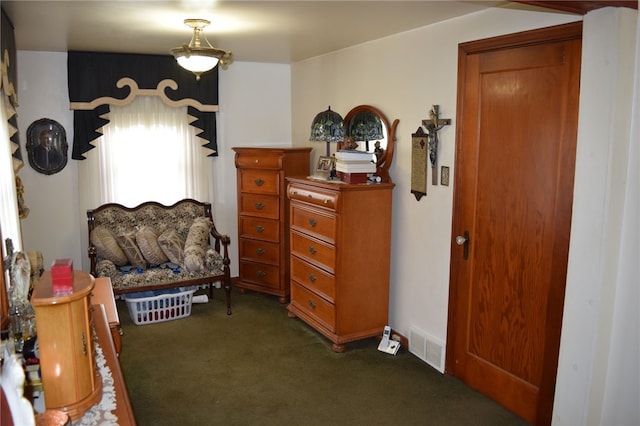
{"x": 326, "y": 201}
{"x": 312, "y": 250}
{"x": 260, "y": 274}
{"x": 312, "y": 222}
{"x": 260, "y": 251}
{"x": 259, "y": 206}
{"x": 260, "y": 228}
{"x": 311, "y": 304}
{"x": 312, "y": 278}
{"x": 258, "y": 182}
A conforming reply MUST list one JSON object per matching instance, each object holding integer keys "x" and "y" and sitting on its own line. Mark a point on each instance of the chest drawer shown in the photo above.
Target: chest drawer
{"x": 260, "y": 206}
{"x": 260, "y": 229}
{"x": 258, "y": 160}
{"x": 313, "y": 278}
{"x": 259, "y": 181}
{"x": 318, "y": 197}
{"x": 313, "y": 305}
{"x": 260, "y": 274}
{"x": 260, "y": 251}
{"x": 313, "y": 222}
{"x": 314, "y": 251}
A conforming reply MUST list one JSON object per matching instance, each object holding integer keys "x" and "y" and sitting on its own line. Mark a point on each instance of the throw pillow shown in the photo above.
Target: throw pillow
{"x": 130, "y": 248}
{"x": 172, "y": 246}
{"x": 196, "y": 244}
{"x": 147, "y": 239}
{"x": 107, "y": 246}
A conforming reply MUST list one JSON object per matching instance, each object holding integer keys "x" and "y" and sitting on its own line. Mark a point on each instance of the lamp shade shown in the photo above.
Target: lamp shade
{"x": 365, "y": 126}
{"x": 327, "y": 126}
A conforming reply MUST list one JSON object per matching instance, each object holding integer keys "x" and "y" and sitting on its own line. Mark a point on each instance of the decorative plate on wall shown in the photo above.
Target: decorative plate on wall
{"x": 47, "y": 146}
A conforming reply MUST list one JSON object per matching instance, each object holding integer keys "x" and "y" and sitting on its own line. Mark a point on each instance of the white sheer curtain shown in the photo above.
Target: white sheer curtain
{"x": 9, "y": 221}
{"x": 148, "y": 152}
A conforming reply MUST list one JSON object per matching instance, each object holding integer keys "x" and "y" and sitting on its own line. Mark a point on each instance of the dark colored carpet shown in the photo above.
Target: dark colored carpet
{"x": 259, "y": 367}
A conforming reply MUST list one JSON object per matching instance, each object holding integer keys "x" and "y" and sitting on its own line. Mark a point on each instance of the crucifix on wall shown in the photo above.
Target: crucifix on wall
{"x": 433, "y": 124}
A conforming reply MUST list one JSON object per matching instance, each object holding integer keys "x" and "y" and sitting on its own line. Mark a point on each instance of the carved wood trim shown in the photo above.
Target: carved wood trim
{"x": 159, "y": 91}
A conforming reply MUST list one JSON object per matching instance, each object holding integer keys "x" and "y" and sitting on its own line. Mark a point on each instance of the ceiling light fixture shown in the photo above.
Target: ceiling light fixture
{"x": 195, "y": 56}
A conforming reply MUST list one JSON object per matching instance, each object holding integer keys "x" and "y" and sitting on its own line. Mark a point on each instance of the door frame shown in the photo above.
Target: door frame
{"x": 555, "y": 305}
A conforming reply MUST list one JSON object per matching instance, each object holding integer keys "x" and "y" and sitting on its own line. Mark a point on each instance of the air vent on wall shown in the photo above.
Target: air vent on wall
{"x": 427, "y": 348}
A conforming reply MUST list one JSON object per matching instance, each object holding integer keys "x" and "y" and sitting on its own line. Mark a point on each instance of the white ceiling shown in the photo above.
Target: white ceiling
{"x": 255, "y": 31}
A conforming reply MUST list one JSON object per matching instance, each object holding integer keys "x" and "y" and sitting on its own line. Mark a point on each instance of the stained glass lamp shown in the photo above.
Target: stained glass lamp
{"x": 365, "y": 126}
{"x": 327, "y": 126}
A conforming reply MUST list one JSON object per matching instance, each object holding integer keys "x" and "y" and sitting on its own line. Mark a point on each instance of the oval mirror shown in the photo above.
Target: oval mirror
{"x": 367, "y": 129}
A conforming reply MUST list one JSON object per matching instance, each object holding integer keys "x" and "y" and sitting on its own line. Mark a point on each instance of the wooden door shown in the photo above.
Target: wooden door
{"x": 515, "y": 155}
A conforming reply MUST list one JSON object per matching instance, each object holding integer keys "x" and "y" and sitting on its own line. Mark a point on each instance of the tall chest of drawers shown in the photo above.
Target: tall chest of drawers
{"x": 263, "y": 216}
{"x": 340, "y": 237}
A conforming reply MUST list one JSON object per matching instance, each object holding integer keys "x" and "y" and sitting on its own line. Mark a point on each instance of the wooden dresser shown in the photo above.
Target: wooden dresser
{"x": 263, "y": 216}
{"x": 340, "y": 257}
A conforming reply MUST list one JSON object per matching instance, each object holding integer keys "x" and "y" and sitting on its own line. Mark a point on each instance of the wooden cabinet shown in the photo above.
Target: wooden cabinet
{"x": 70, "y": 379}
{"x": 340, "y": 257}
{"x": 263, "y": 216}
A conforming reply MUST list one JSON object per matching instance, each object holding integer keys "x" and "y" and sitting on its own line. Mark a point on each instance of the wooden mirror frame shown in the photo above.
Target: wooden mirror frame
{"x": 384, "y": 162}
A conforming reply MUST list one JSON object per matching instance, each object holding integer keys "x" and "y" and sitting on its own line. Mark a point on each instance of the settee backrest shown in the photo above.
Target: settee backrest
{"x": 121, "y": 219}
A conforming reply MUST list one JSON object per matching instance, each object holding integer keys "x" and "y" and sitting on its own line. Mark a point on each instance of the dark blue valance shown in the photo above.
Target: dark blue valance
{"x": 95, "y": 75}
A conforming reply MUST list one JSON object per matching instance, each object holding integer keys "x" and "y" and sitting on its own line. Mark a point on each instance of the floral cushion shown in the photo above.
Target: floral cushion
{"x": 121, "y": 278}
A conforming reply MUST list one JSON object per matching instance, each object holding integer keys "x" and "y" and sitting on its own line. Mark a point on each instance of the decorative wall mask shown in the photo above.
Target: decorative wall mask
{"x": 47, "y": 146}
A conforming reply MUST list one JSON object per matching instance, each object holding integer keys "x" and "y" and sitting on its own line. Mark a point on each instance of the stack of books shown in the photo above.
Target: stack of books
{"x": 354, "y": 166}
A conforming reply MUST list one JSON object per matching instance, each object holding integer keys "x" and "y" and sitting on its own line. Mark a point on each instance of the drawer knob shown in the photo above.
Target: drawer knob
{"x": 259, "y": 206}
{"x": 312, "y": 278}
{"x": 312, "y": 250}
{"x": 326, "y": 201}
{"x": 258, "y": 182}
{"x": 312, "y": 221}
{"x": 260, "y": 228}
{"x": 257, "y": 161}
{"x": 311, "y": 304}
{"x": 260, "y": 274}
{"x": 260, "y": 251}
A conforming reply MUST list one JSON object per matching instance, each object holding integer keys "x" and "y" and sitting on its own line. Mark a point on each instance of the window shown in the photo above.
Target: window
{"x": 148, "y": 152}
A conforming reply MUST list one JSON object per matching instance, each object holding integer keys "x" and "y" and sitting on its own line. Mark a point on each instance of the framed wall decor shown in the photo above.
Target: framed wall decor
{"x": 47, "y": 146}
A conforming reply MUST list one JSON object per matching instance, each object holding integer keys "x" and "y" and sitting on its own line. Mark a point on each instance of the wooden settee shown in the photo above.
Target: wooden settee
{"x": 156, "y": 247}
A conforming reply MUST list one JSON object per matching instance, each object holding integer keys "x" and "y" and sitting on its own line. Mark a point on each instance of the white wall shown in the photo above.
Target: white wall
{"x": 254, "y": 110}
{"x": 53, "y": 221}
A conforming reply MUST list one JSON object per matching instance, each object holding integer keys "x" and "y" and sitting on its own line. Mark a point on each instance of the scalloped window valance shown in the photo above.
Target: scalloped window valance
{"x": 97, "y": 80}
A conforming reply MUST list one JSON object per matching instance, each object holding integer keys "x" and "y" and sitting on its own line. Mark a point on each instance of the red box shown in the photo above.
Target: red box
{"x": 62, "y": 276}
{"x": 353, "y": 177}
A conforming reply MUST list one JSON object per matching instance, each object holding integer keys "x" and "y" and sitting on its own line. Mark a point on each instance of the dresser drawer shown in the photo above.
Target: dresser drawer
{"x": 260, "y": 206}
{"x": 259, "y": 181}
{"x": 313, "y": 278}
{"x": 314, "y": 251}
{"x": 259, "y": 160}
{"x": 260, "y": 229}
{"x": 260, "y": 273}
{"x": 314, "y": 196}
{"x": 313, "y": 221}
{"x": 260, "y": 251}
{"x": 313, "y": 305}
